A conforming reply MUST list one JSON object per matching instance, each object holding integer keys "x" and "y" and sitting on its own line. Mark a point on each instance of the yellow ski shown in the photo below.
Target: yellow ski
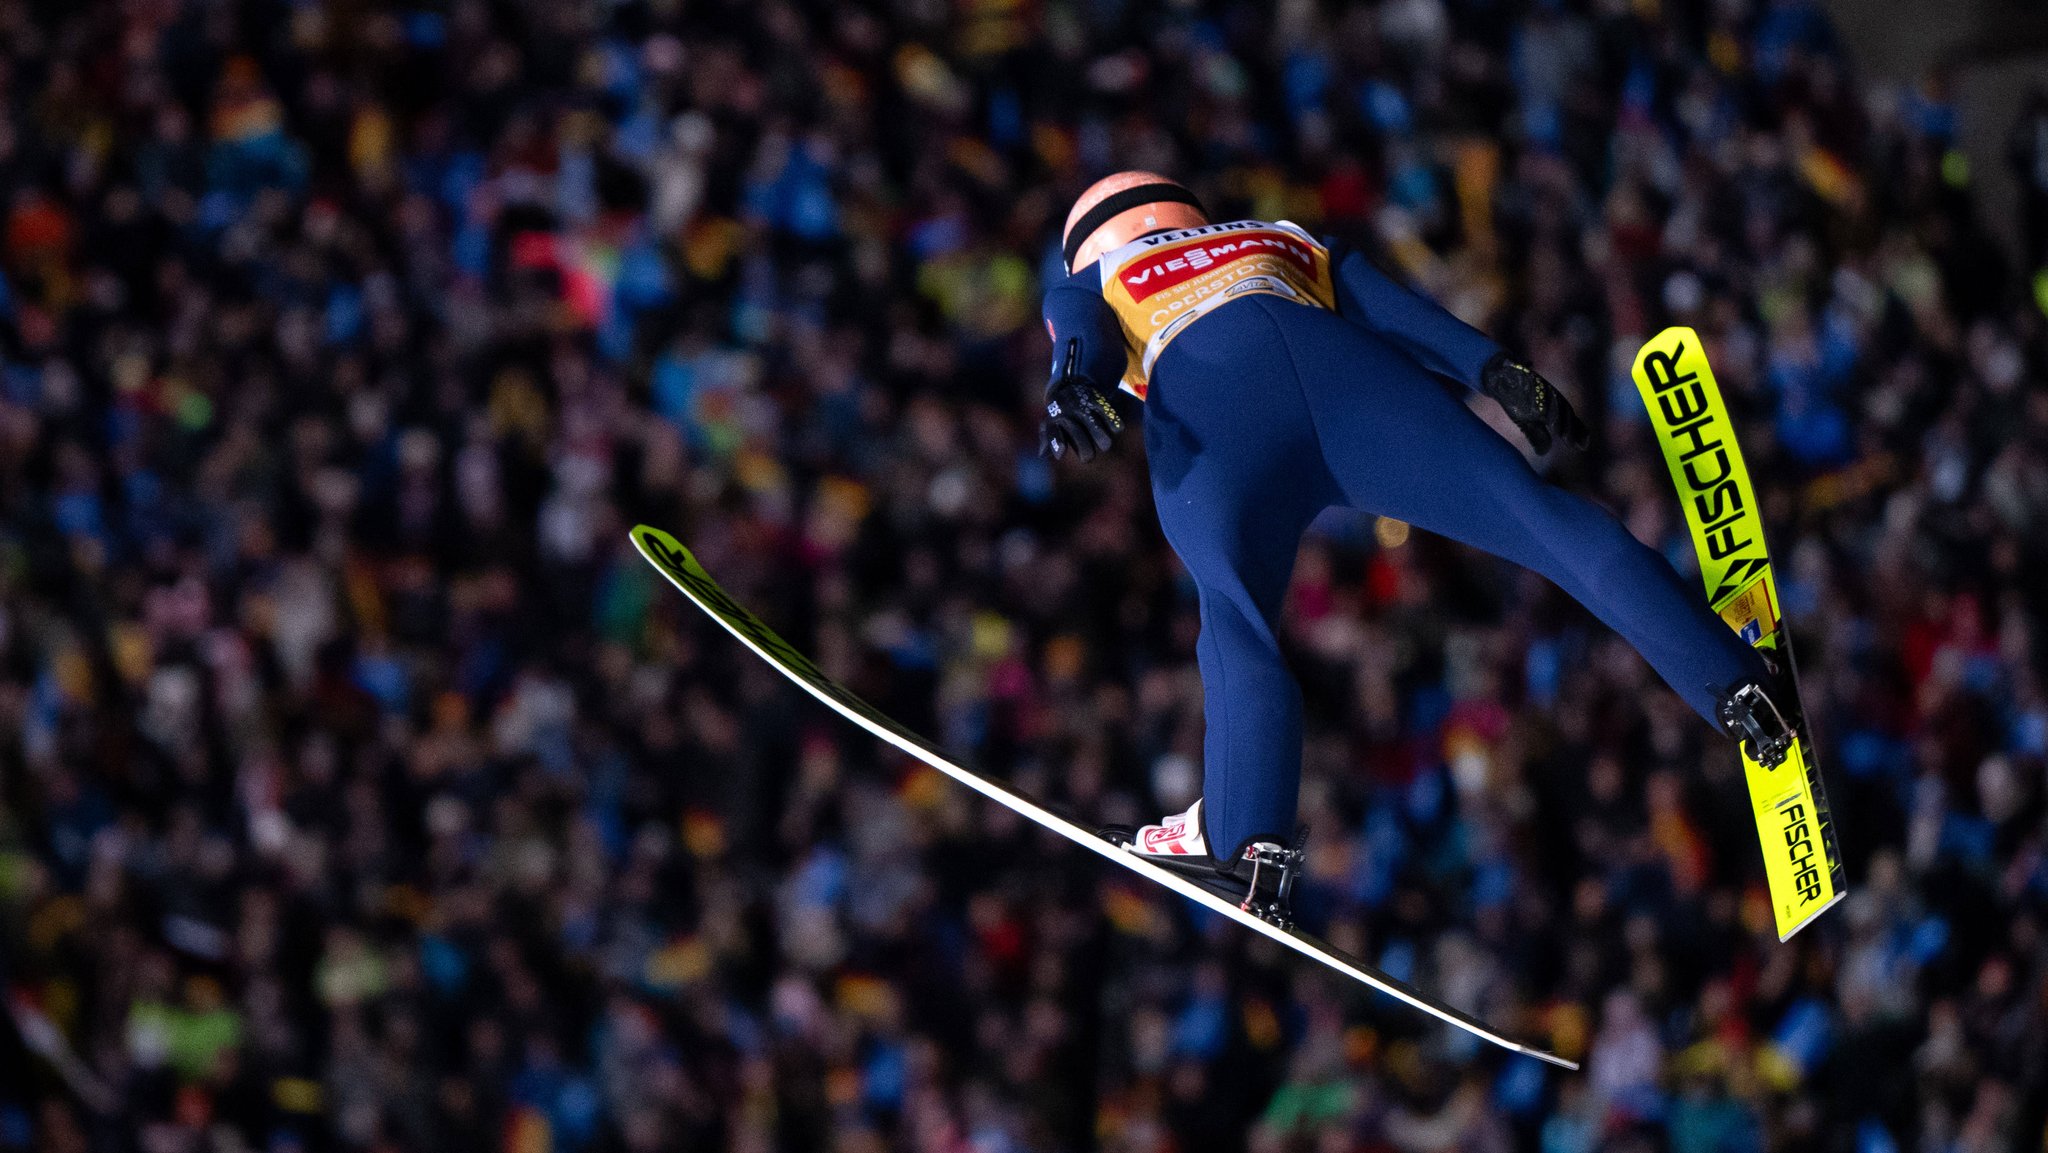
{"x": 1802, "y": 862}
{"x": 673, "y": 561}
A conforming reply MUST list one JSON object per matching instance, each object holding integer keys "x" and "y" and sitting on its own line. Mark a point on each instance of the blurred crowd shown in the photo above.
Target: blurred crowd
{"x": 363, "y": 790}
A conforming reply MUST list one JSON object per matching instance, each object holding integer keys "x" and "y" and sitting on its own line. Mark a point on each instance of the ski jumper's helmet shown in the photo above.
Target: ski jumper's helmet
{"x": 1119, "y": 209}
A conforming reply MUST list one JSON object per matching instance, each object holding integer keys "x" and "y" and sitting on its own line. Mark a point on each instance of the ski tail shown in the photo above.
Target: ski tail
{"x": 1802, "y": 861}
{"x": 673, "y": 561}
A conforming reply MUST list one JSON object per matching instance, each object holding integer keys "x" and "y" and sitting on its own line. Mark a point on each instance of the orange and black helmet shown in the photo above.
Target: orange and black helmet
{"x": 1119, "y": 209}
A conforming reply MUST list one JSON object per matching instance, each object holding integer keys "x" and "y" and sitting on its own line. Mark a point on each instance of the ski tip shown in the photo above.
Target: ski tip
{"x": 1668, "y": 341}
{"x": 658, "y": 546}
{"x": 1548, "y": 1058}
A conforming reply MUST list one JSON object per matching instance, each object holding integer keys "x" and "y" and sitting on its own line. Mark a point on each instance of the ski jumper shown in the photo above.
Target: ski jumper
{"x": 1282, "y": 376}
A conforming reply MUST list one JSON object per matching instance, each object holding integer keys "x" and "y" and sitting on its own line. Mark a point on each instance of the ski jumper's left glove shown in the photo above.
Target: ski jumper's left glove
{"x": 1079, "y": 419}
{"x": 1533, "y": 403}
{"x": 1451, "y": 349}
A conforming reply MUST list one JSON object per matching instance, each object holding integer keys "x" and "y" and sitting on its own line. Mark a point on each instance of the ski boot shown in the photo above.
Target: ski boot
{"x": 1259, "y": 875}
{"x": 1764, "y": 717}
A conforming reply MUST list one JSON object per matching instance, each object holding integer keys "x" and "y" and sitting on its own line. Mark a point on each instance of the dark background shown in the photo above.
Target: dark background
{"x": 360, "y": 788}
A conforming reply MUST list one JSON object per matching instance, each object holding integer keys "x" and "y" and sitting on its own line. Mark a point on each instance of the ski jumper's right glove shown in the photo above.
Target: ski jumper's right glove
{"x": 1533, "y": 403}
{"x": 1079, "y": 419}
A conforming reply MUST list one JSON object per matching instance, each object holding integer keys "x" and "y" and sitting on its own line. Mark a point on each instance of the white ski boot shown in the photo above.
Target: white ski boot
{"x": 1259, "y": 875}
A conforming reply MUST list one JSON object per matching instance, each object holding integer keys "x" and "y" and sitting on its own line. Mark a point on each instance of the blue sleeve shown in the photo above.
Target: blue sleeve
{"x": 1412, "y": 322}
{"x": 1075, "y": 311}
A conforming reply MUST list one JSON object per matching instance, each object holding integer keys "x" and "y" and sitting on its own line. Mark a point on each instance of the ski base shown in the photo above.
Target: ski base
{"x": 1802, "y": 861}
{"x": 673, "y": 561}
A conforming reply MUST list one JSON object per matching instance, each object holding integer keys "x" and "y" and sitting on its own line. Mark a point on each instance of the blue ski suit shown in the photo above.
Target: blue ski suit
{"x": 1306, "y": 379}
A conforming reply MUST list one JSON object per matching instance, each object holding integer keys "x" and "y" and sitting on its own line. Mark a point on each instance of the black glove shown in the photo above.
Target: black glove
{"x": 1079, "y": 419}
{"x": 1533, "y": 403}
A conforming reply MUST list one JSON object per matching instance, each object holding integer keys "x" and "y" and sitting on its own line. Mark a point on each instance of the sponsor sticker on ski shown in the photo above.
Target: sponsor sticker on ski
{"x": 1752, "y": 613}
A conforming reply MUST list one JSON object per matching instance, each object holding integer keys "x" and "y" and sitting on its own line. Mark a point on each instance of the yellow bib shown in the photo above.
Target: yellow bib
{"x": 1157, "y": 285}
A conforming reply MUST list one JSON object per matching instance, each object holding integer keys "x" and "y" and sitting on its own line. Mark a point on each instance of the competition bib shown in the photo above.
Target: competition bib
{"x": 1157, "y": 285}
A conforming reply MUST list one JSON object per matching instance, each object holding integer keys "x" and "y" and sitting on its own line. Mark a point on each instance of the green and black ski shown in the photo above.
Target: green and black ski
{"x": 674, "y": 561}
